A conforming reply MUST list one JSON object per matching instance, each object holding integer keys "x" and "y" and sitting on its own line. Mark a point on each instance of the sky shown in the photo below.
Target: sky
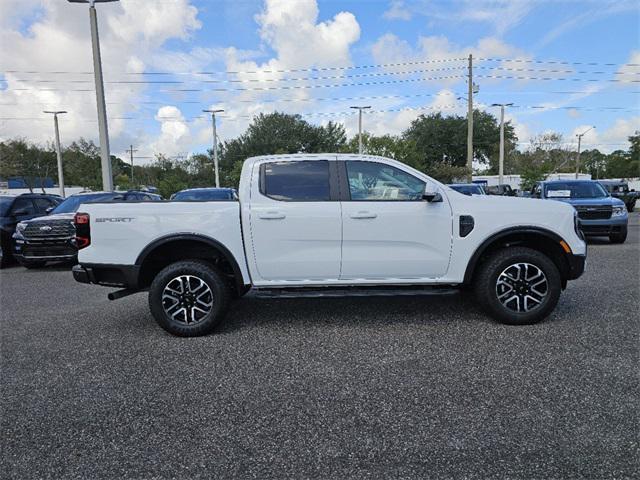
{"x": 565, "y": 65}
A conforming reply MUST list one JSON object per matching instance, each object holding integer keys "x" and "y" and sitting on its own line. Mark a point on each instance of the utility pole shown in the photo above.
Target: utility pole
{"x": 131, "y": 150}
{"x": 58, "y": 150}
{"x": 470, "y": 122}
{"x": 360, "y": 126}
{"x": 580, "y": 135}
{"x": 105, "y": 154}
{"x": 215, "y": 144}
{"x": 501, "y": 163}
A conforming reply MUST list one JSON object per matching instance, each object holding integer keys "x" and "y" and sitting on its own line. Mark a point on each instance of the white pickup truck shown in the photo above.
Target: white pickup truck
{"x": 331, "y": 224}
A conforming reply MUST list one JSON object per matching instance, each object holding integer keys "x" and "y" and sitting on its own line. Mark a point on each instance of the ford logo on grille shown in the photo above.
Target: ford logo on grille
{"x": 46, "y": 228}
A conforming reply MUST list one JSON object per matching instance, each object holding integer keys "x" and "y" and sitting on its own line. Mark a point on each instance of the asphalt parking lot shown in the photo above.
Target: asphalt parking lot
{"x": 323, "y": 388}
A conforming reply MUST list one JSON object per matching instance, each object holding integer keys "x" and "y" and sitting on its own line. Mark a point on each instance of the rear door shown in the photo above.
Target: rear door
{"x": 389, "y": 232}
{"x": 295, "y": 221}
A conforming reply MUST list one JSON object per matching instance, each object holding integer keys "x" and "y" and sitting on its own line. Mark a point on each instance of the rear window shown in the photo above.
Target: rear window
{"x": 304, "y": 181}
{"x": 71, "y": 204}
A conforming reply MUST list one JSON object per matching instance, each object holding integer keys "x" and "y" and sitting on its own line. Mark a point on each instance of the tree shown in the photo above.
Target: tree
{"x": 443, "y": 139}
{"x": 279, "y": 133}
{"x": 26, "y": 160}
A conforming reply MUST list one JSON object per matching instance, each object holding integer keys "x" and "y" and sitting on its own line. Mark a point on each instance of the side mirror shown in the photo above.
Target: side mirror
{"x": 432, "y": 197}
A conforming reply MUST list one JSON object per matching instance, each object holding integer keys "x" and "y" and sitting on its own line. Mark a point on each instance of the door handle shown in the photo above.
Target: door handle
{"x": 272, "y": 215}
{"x": 360, "y": 215}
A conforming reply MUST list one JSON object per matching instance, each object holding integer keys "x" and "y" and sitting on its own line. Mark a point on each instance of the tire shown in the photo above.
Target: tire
{"x": 530, "y": 302}
{"x": 620, "y": 237}
{"x": 33, "y": 265}
{"x": 193, "y": 310}
{"x": 4, "y": 260}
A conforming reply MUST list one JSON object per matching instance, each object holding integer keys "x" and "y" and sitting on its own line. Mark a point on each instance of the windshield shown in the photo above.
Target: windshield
{"x": 5, "y": 204}
{"x": 575, "y": 190}
{"x": 203, "y": 195}
{"x": 71, "y": 204}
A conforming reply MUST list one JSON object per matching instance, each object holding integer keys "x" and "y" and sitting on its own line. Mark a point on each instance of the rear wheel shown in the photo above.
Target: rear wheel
{"x": 619, "y": 237}
{"x": 518, "y": 286}
{"x": 189, "y": 298}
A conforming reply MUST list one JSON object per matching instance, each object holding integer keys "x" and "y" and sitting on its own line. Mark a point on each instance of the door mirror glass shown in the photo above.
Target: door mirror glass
{"x": 432, "y": 197}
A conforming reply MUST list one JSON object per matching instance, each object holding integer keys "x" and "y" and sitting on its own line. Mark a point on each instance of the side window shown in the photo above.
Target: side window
{"x": 378, "y": 181}
{"x": 304, "y": 181}
{"x": 23, "y": 206}
{"x": 42, "y": 204}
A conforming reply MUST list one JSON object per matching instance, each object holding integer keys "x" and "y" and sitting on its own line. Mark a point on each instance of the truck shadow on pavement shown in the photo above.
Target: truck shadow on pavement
{"x": 250, "y": 311}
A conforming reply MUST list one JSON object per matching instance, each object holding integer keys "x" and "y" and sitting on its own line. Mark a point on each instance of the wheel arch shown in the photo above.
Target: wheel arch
{"x": 182, "y": 246}
{"x": 536, "y": 238}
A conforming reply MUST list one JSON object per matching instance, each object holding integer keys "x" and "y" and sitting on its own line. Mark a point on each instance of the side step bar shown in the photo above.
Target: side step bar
{"x": 334, "y": 292}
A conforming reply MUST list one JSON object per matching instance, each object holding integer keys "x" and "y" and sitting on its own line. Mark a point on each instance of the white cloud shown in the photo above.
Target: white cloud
{"x": 397, "y": 11}
{"x": 58, "y": 40}
{"x": 630, "y": 71}
{"x": 299, "y": 42}
{"x": 175, "y": 136}
{"x": 153, "y": 23}
{"x": 615, "y": 137}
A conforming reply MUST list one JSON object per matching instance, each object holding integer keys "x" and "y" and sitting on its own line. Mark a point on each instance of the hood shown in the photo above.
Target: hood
{"x": 606, "y": 201}
{"x": 497, "y": 203}
{"x": 48, "y": 218}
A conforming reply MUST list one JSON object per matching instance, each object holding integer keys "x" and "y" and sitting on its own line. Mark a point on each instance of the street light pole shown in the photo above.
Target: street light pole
{"x": 360, "y": 126}
{"x": 105, "y": 154}
{"x": 58, "y": 150}
{"x": 580, "y": 135}
{"x": 501, "y": 162}
{"x": 215, "y": 144}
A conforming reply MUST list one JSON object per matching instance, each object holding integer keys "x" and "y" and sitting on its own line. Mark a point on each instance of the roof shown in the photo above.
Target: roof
{"x": 584, "y": 180}
{"x": 319, "y": 156}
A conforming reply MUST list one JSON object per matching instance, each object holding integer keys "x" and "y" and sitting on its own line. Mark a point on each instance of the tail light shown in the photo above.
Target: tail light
{"x": 83, "y": 230}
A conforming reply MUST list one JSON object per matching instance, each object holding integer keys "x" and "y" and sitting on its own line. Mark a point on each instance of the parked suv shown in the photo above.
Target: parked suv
{"x": 620, "y": 189}
{"x": 599, "y": 213}
{"x": 15, "y": 209}
{"x": 52, "y": 238}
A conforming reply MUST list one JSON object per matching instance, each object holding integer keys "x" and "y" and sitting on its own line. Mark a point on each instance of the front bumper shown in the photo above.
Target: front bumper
{"x": 58, "y": 249}
{"x": 576, "y": 264}
{"x": 604, "y": 227}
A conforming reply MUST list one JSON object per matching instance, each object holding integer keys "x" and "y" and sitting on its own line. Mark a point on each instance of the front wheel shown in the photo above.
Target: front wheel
{"x": 189, "y": 298}
{"x": 619, "y": 237}
{"x": 518, "y": 285}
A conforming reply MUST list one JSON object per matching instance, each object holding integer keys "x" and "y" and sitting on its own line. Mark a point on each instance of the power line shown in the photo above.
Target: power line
{"x": 236, "y": 72}
{"x": 254, "y": 80}
{"x": 515, "y": 77}
{"x": 556, "y": 62}
{"x": 256, "y": 89}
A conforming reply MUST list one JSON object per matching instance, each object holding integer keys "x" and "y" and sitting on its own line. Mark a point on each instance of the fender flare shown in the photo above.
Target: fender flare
{"x": 475, "y": 258}
{"x": 228, "y": 256}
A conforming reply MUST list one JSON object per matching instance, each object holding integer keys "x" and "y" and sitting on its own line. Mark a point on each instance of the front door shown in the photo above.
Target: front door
{"x": 295, "y": 222}
{"x": 389, "y": 232}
